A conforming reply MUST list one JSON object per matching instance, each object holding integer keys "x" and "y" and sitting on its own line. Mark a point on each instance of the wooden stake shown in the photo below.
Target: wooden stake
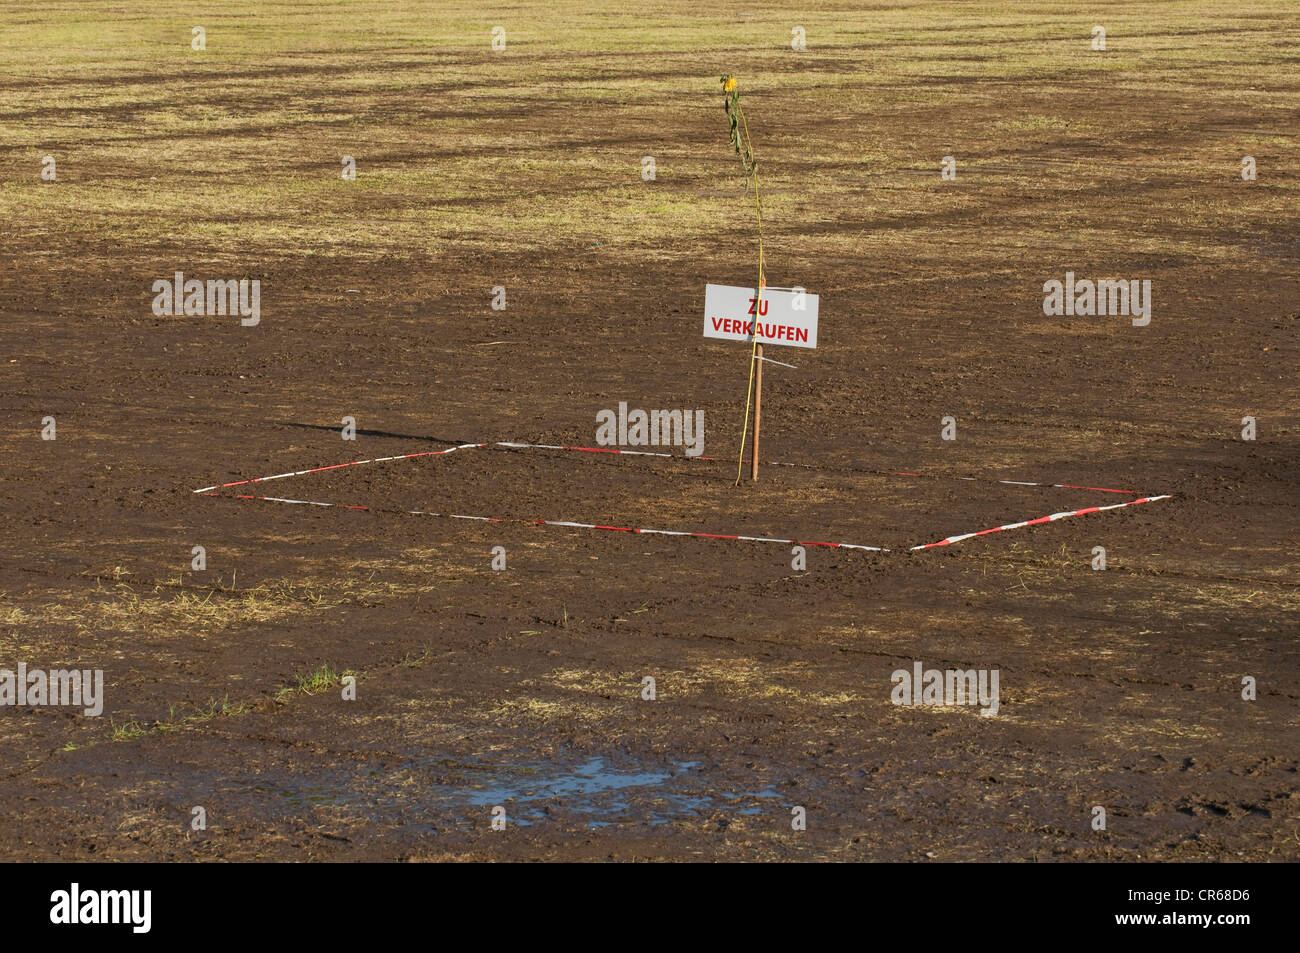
{"x": 758, "y": 406}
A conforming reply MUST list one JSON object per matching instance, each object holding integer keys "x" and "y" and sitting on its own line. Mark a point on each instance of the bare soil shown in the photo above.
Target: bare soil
{"x": 523, "y": 688}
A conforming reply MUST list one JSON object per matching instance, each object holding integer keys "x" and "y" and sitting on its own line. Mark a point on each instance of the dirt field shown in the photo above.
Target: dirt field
{"x": 522, "y": 169}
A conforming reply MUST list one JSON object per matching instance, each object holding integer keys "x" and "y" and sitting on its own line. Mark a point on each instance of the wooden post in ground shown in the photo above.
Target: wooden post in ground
{"x": 758, "y": 406}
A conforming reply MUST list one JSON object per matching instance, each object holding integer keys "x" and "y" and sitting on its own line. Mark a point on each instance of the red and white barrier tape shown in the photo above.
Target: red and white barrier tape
{"x": 1042, "y": 519}
{"x": 339, "y": 466}
{"x": 512, "y": 445}
{"x": 805, "y": 466}
{"x": 571, "y": 525}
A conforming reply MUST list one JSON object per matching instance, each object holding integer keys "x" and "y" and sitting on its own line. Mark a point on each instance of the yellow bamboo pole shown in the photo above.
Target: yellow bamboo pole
{"x": 758, "y": 409}
{"x": 758, "y": 303}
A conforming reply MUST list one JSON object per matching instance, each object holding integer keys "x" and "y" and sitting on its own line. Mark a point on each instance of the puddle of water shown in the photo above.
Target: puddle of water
{"x": 594, "y": 787}
{"x": 591, "y": 779}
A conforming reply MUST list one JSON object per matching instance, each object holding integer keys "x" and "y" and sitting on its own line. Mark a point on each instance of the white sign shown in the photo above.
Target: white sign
{"x": 784, "y": 316}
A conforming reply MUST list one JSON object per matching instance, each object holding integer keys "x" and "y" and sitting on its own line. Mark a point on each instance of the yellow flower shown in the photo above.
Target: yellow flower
{"x": 729, "y": 85}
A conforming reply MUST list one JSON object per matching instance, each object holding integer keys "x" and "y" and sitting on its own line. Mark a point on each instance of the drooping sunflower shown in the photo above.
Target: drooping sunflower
{"x": 736, "y": 120}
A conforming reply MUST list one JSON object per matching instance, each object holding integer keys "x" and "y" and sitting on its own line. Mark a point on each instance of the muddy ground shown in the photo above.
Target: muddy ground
{"x": 523, "y": 688}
